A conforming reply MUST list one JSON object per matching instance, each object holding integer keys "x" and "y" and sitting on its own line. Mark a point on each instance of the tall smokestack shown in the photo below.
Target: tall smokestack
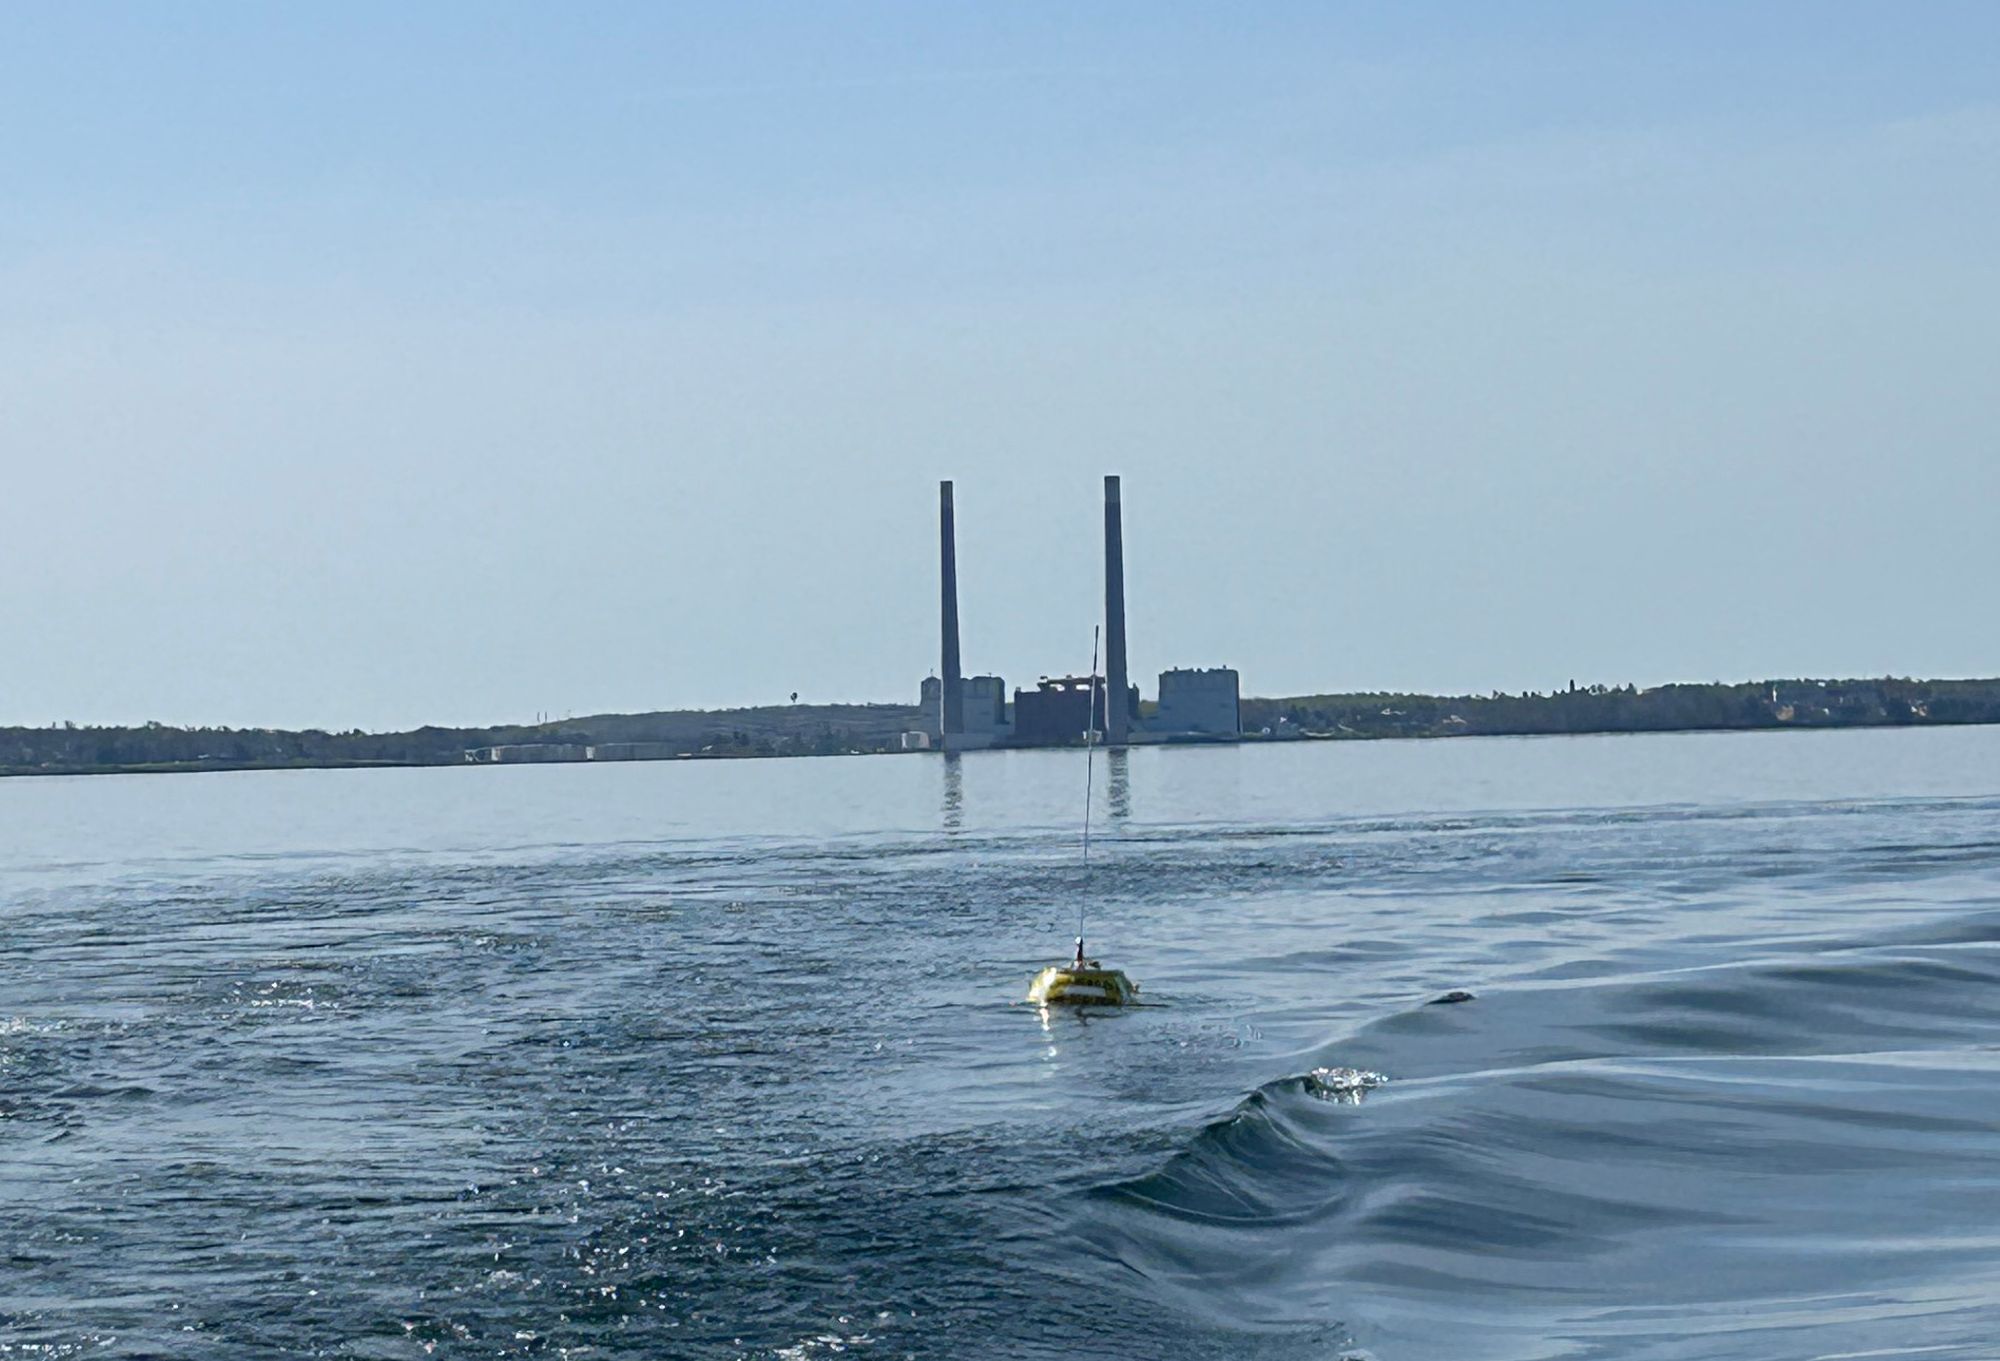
{"x": 1115, "y": 685}
{"x": 953, "y": 718}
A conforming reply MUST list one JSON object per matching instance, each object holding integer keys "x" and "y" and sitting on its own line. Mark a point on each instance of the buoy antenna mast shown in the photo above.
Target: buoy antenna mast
{"x": 1089, "y": 782}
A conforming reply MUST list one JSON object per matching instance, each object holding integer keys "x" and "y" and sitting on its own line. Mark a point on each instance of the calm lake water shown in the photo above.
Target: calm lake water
{"x": 729, "y": 1059}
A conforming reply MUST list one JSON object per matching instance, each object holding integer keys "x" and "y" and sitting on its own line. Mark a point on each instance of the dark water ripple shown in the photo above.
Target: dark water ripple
{"x": 1729, "y": 1087}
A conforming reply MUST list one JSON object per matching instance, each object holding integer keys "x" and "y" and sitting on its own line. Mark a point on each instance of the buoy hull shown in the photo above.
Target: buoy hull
{"x": 1067, "y": 985}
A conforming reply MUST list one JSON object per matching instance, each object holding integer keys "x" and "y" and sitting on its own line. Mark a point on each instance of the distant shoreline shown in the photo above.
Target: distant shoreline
{"x": 220, "y": 768}
{"x": 880, "y": 729}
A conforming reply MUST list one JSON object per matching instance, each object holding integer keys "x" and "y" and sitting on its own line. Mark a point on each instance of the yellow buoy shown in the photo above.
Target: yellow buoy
{"x": 1082, "y": 983}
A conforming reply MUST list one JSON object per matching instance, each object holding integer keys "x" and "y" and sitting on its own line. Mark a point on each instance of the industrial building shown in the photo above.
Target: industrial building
{"x": 967, "y": 713}
{"x": 1063, "y": 710}
{"x": 1198, "y": 703}
{"x": 982, "y": 708}
{"x": 634, "y": 751}
{"x": 528, "y": 753}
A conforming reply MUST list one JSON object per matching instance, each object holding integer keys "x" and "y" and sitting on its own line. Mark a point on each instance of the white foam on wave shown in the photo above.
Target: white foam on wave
{"x": 1345, "y": 1085}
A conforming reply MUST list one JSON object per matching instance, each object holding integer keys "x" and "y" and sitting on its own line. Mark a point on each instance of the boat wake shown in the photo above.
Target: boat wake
{"x": 1623, "y": 1168}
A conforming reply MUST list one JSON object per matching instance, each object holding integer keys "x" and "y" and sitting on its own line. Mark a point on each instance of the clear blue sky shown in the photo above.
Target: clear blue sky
{"x": 380, "y": 364}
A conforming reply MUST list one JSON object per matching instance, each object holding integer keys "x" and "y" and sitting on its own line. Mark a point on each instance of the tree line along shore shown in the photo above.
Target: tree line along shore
{"x": 843, "y": 729}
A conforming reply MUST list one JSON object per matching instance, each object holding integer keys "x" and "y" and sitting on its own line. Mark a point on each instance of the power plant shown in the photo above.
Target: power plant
{"x": 968, "y": 713}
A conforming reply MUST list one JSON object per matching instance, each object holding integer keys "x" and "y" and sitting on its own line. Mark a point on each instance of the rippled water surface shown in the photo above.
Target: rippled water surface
{"x": 728, "y": 1059}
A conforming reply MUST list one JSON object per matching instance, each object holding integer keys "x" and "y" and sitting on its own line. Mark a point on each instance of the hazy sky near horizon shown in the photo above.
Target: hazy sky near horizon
{"x": 372, "y": 364}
